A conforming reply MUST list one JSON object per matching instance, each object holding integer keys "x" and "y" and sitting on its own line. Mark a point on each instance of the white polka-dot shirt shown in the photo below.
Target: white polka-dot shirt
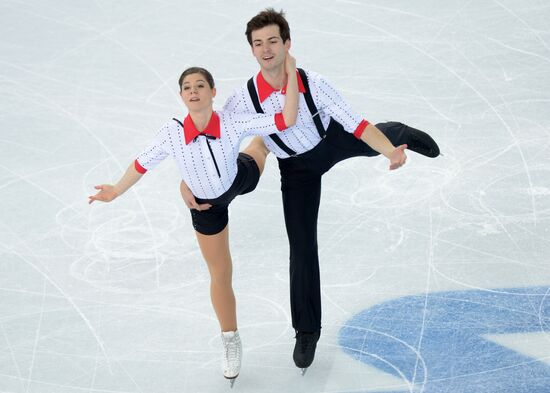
{"x": 303, "y": 136}
{"x": 208, "y": 166}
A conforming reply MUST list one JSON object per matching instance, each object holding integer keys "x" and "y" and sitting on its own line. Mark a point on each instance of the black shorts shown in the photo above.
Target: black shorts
{"x": 215, "y": 219}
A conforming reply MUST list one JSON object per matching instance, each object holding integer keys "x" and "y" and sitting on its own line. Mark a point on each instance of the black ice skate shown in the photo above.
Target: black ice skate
{"x": 304, "y": 350}
{"x": 418, "y": 141}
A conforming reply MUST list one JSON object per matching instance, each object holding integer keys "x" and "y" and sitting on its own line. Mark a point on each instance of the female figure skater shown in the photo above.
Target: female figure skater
{"x": 205, "y": 147}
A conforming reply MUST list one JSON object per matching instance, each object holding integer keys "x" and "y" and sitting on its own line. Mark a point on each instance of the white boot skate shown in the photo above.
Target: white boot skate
{"x": 232, "y": 354}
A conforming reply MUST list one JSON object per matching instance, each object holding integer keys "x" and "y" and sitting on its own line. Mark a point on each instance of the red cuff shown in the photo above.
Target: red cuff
{"x": 360, "y": 128}
{"x": 139, "y": 168}
{"x": 280, "y": 122}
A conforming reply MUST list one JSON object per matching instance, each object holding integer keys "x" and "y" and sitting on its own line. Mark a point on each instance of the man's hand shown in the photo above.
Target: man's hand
{"x": 397, "y": 157}
{"x": 189, "y": 198}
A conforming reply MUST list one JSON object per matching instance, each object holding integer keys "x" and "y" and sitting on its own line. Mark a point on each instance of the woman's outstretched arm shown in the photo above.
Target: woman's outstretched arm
{"x": 108, "y": 192}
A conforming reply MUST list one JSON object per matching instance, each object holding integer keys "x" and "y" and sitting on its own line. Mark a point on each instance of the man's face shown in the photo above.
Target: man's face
{"x": 268, "y": 47}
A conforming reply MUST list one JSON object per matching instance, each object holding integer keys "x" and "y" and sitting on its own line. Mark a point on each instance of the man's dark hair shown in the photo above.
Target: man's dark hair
{"x": 265, "y": 18}
{"x": 197, "y": 70}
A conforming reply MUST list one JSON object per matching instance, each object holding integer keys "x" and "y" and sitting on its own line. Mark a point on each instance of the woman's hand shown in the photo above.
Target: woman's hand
{"x": 189, "y": 198}
{"x": 290, "y": 64}
{"x": 106, "y": 193}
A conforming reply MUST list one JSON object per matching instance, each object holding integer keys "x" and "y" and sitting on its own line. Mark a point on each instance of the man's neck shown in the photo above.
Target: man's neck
{"x": 276, "y": 78}
{"x": 201, "y": 118}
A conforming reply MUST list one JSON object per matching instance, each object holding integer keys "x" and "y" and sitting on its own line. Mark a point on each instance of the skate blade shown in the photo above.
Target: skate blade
{"x": 304, "y": 371}
{"x": 231, "y": 381}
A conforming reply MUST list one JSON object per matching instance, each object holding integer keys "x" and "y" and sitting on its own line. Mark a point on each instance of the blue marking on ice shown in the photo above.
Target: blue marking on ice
{"x": 435, "y": 343}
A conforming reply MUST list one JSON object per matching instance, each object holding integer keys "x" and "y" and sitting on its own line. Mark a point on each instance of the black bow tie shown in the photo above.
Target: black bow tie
{"x": 204, "y": 135}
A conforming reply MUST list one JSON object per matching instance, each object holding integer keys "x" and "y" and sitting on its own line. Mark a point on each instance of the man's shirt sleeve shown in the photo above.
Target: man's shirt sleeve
{"x": 237, "y": 102}
{"x": 330, "y": 102}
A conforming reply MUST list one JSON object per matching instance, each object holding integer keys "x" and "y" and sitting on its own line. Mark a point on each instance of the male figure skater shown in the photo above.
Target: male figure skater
{"x": 327, "y": 131}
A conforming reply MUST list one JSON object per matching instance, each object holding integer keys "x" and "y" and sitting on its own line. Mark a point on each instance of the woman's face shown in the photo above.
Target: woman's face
{"x": 196, "y": 92}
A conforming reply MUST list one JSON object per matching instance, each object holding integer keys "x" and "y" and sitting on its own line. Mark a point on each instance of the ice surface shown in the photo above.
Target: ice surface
{"x": 114, "y": 297}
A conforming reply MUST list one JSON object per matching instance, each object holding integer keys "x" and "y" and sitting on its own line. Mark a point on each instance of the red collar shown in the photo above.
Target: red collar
{"x": 191, "y": 132}
{"x": 265, "y": 89}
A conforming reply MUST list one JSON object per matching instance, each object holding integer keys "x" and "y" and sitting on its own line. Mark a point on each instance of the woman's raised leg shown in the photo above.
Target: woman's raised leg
{"x": 257, "y": 150}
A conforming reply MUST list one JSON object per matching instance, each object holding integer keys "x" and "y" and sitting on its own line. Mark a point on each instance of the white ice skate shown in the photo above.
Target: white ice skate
{"x": 232, "y": 354}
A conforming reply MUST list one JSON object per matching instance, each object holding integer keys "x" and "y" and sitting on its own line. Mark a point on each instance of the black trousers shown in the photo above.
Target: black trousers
{"x": 215, "y": 219}
{"x": 301, "y": 190}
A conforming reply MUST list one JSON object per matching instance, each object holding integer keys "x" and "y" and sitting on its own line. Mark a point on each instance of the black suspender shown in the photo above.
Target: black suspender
{"x": 256, "y": 101}
{"x": 208, "y": 143}
{"x": 254, "y": 95}
{"x": 311, "y": 105}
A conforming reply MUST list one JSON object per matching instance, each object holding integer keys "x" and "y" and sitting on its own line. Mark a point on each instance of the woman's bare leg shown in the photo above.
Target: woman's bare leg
{"x": 215, "y": 250}
{"x": 258, "y": 151}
